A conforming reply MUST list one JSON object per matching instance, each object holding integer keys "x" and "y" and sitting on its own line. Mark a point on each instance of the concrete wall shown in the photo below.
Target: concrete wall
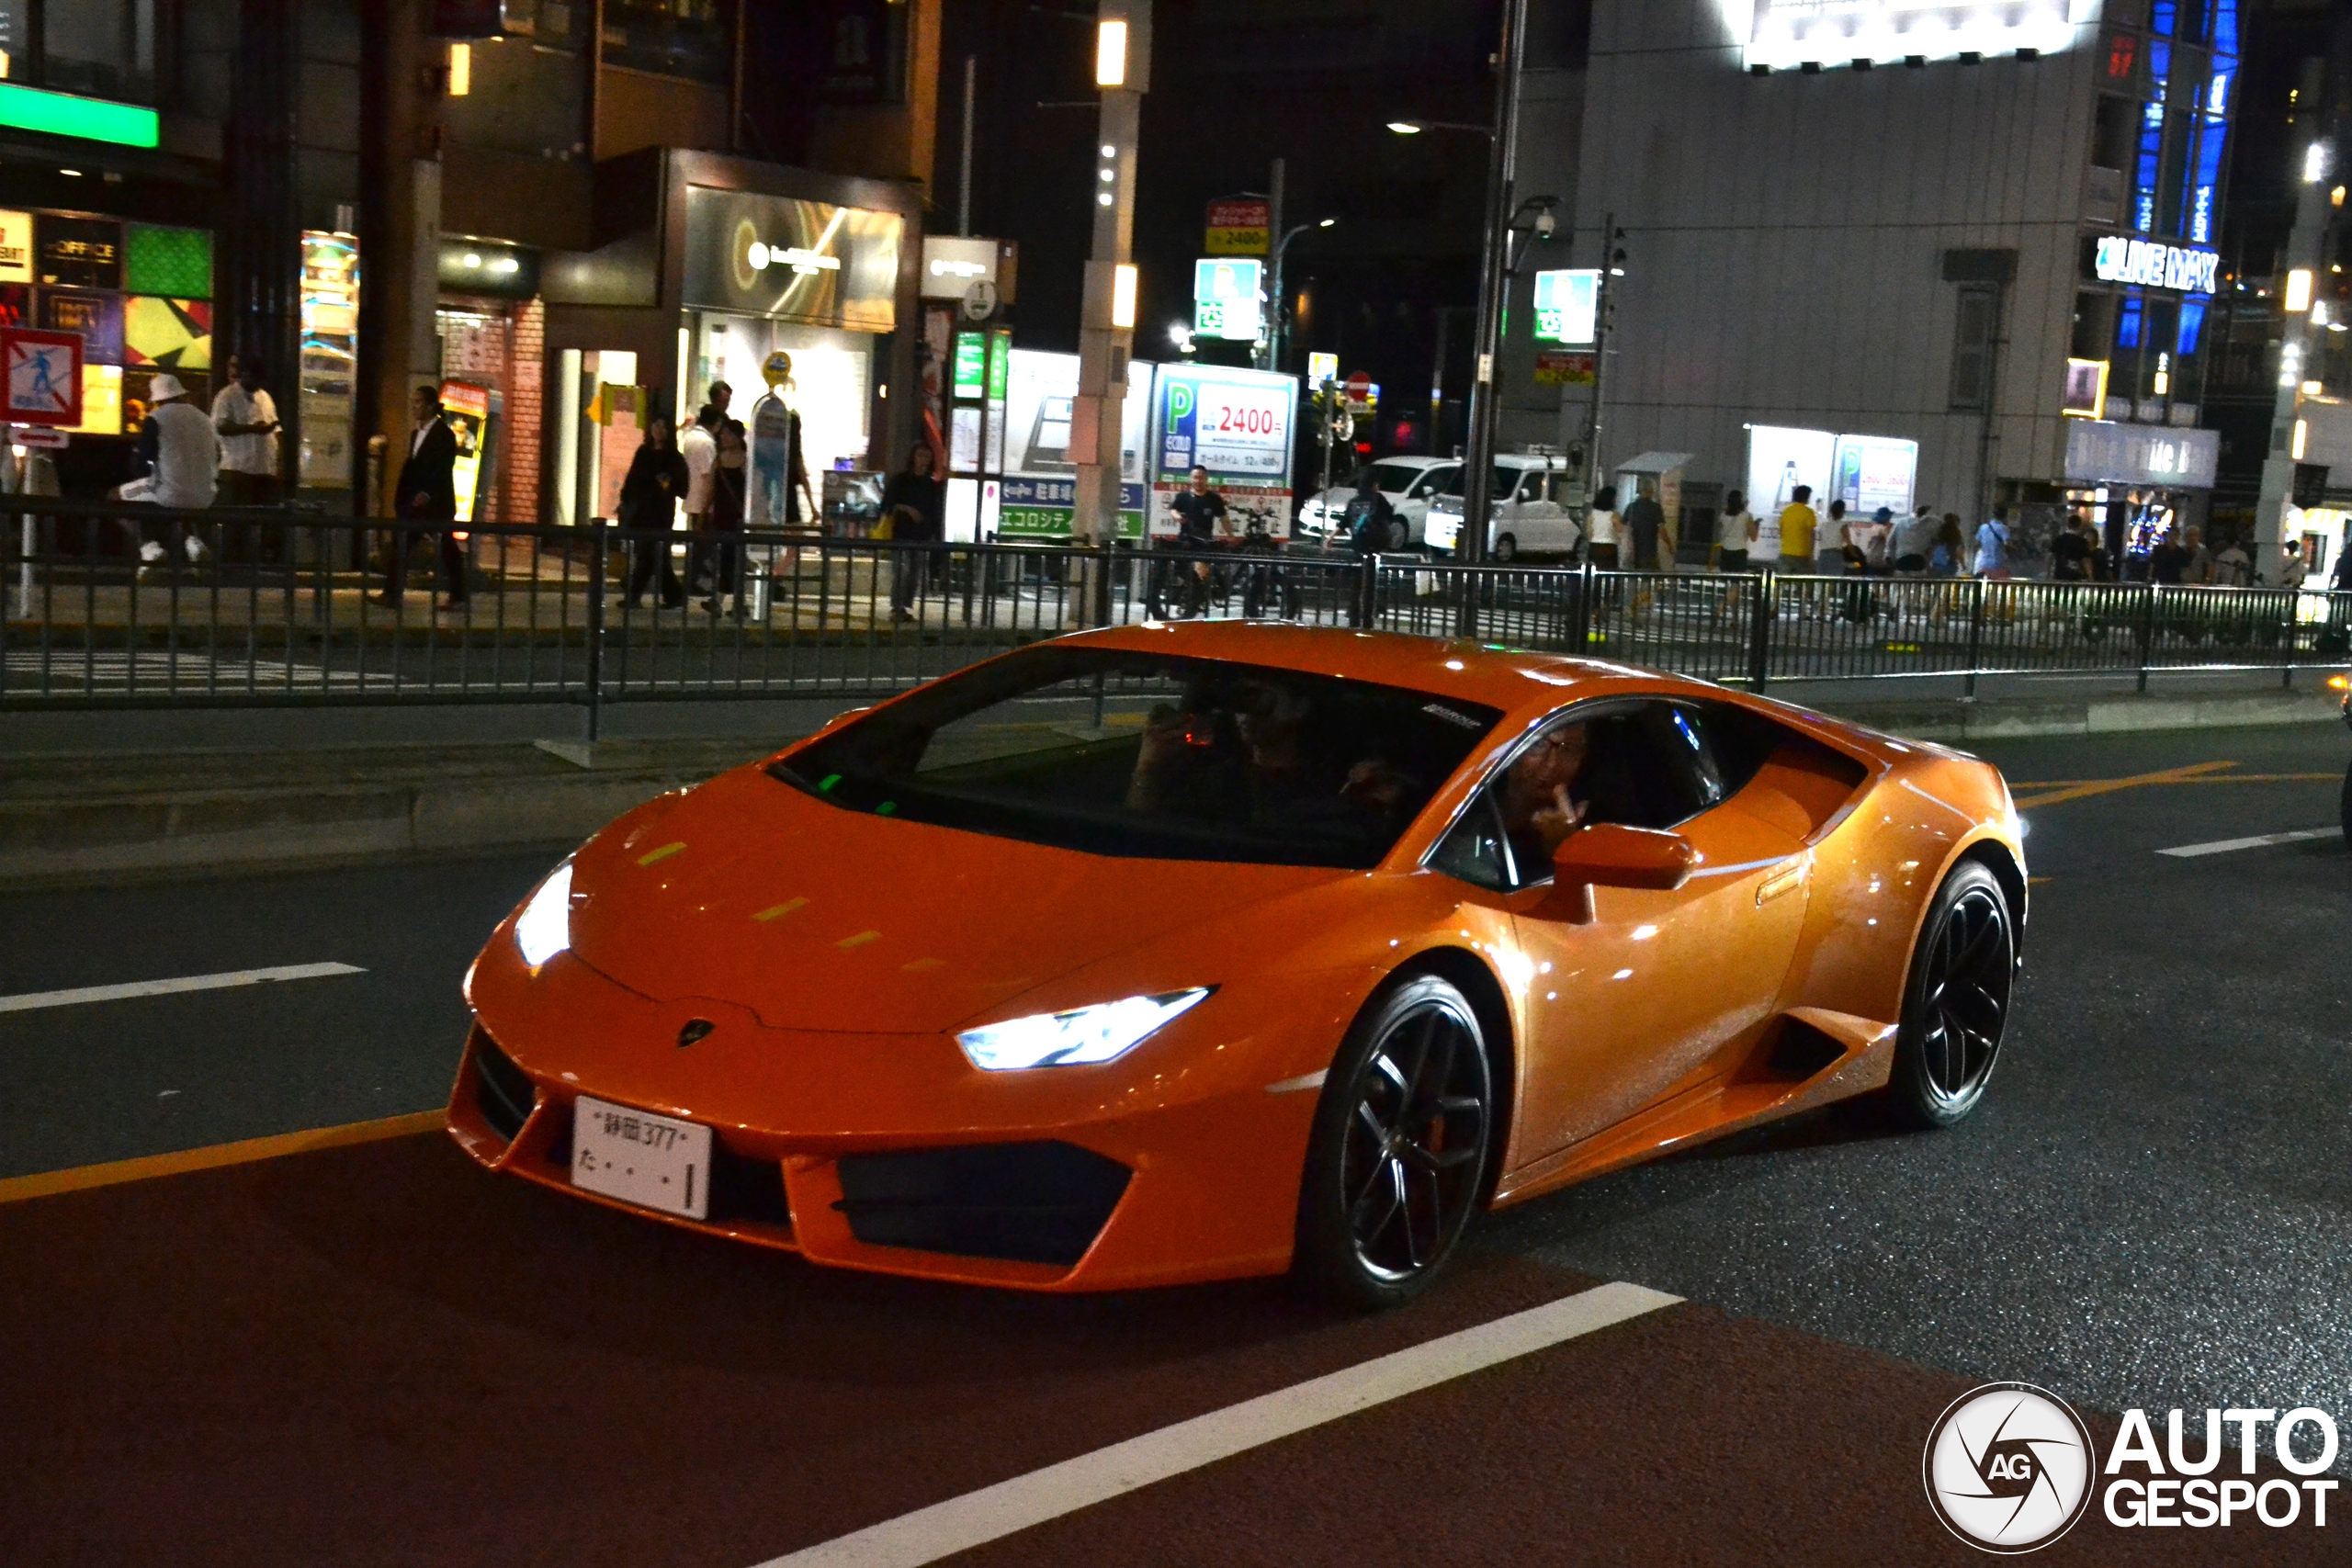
{"x": 1787, "y": 235}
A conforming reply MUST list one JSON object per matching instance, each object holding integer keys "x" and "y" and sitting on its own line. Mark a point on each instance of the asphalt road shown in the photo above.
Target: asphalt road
{"x": 376, "y": 1355}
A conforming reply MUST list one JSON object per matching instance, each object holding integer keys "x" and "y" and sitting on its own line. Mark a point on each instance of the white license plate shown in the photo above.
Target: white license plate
{"x": 641, "y": 1158}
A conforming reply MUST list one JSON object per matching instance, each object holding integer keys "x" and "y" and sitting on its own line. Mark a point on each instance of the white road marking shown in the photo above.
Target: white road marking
{"x": 993, "y": 1512}
{"x": 29, "y": 1000}
{"x": 2224, "y": 846}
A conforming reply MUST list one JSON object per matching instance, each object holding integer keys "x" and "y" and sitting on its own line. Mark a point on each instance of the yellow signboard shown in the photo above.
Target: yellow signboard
{"x": 16, "y": 247}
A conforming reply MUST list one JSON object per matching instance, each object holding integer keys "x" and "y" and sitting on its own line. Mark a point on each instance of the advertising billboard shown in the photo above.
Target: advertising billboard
{"x": 797, "y": 260}
{"x": 1780, "y": 459}
{"x": 1874, "y": 471}
{"x": 1566, "y": 306}
{"x": 1236, "y": 424}
{"x": 1790, "y": 32}
{"x": 1039, "y": 494}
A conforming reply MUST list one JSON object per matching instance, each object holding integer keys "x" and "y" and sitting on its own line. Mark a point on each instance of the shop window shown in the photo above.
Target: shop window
{"x": 104, "y": 48}
{"x": 2094, "y": 325}
{"x": 2192, "y": 324}
{"x": 2129, "y": 323}
{"x": 2226, "y": 25}
{"x": 2144, "y": 177}
{"x": 1972, "y": 353}
{"x": 693, "y": 39}
{"x": 2164, "y": 17}
{"x": 2112, "y": 132}
{"x": 2180, "y": 167}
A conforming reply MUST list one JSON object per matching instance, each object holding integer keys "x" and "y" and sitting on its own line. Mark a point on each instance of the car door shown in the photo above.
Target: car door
{"x": 1659, "y": 991}
{"x": 1543, "y": 522}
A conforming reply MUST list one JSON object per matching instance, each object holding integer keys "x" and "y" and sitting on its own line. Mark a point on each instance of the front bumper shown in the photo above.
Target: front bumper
{"x": 892, "y": 1153}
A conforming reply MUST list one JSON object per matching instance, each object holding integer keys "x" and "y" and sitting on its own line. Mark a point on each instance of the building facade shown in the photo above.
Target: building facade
{"x": 1975, "y": 240}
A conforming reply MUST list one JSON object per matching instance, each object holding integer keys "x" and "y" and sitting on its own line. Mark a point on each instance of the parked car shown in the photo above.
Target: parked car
{"x": 1536, "y": 510}
{"x": 1409, "y": 483}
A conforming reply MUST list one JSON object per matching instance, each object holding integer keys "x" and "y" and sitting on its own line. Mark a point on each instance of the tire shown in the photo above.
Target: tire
{"x": 1956, "y": 1002}
{"x": 1397, "y": 1158}
{"x": 1506, "y": 548}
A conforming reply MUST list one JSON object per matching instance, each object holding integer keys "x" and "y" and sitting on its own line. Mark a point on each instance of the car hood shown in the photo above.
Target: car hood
{"x": 748, "y": 891}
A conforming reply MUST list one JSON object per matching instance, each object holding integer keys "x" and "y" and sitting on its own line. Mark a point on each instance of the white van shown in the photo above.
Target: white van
{"x": 1535, "y": 511}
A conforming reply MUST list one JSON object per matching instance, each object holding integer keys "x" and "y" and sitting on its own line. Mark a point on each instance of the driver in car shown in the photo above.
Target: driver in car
{"x": 1539, "y": 803}
{"x": 1187, "y": 764}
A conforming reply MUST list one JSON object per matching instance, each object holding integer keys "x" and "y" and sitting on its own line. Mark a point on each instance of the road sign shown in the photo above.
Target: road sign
{"x": 1554, "y": 368}
{"x": 1226, "y": 299}
{"x": 35, "y": 435}
{"x": 1364, "y": 393}
{"x": 1322, "y": 367}
{"x": 980, "y": 301}
{"x": 44, "y": 372}
{"x": 1240, "y": 226}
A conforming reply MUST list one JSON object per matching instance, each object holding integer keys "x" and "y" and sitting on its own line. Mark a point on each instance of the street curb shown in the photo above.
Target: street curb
{"x": 49, "y": 841}
{"x": 93, "y": 837}
{"x": 1959, "y": 719}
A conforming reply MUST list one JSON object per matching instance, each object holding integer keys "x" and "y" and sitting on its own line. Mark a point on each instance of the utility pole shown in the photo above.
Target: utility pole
{"x": 1477, "y": 498}
{"x": 1603, "y": 307}
{"x": 1270, "y": 335}
{"x": 964, "y": 174}
{"x": 1106, "y": 326}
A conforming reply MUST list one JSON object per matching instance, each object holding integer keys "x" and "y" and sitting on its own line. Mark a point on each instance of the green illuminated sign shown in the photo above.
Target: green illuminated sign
{"x": 971, "y": 366}
{"x": 63, "y": 114}
{"x": 1000, "y": 363}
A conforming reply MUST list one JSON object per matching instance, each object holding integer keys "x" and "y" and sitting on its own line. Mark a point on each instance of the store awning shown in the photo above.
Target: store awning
{"x": 1654, "y": 463}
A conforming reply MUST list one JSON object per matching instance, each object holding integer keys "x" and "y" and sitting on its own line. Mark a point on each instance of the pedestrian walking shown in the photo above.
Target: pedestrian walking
{"x": 1601, "y": 530}
{"x": 1645, "y": 521}
{"x": 427, "y": 492}
{"x": 1370, "y": 520}
{"x": 183, "y": 455}
{"x": 915, "y": 504}
{"x": 2198, "y": 570}
{"x": 1798, "y": 523}
{"x": 1992, "y": 548}
{"x": 1736, "y": 532}
{"x": 723, "y": 523}
{"x": 2169, "y": 561}
{"x": 2293, "y": 568}
{"x": 699, "y": 448}
{"x": 2233, "y": 568}
{"x": 655, "y": 485}
{"x": 2070, "y": 552}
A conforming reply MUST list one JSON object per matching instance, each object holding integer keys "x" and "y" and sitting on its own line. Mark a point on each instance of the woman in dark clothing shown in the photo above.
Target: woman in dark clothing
{"x": 729, "y": 473}
{"x": 657, "y": 477}
{"x": 915, "y": 503}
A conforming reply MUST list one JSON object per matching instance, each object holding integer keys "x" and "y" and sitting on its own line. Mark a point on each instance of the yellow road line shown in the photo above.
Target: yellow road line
{"x": 2109, "y": 787}
{"x": 48, "y": 1183}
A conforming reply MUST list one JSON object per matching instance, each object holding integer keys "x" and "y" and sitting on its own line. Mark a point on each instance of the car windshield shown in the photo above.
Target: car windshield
{"x": 1394, "y": 477}
{"x": 1152, "y": 756}
{"x": 1504, "y": 480}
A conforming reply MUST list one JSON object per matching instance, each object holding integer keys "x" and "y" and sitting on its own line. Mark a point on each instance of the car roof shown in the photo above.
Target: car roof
{"x": 1500, "y": 677}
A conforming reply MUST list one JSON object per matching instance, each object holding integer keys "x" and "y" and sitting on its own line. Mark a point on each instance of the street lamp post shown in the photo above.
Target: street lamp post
{"x": 1477, "y": 487}
{"x": 1276, "y": 328}
{"x": 1107, "y": 324}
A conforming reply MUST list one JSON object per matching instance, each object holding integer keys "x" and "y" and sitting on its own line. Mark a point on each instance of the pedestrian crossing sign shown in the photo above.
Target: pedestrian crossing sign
{"x": 44, "y": 371}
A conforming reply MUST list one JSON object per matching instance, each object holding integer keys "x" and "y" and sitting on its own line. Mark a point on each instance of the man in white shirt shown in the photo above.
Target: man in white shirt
{"x": 183, "y": 456}
{"x": 246, "y": 421}
{"x": 699, "y": 448}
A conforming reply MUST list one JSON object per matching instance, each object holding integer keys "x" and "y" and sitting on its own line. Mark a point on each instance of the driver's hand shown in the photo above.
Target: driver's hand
{"x": 1562, "y": 817}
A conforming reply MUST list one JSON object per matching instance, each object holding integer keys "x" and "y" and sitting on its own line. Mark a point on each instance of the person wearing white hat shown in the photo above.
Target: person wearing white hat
{"x": 183, "y": 455}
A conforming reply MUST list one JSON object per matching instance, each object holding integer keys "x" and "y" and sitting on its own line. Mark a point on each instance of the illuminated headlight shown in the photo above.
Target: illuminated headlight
{"x": 1069, "y": 1039}
{"x": 543, "y": 927}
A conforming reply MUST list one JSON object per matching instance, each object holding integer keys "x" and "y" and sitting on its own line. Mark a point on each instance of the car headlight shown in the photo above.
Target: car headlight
{"x": 543, "y": 927}
{"x": 1094, "y": 1033}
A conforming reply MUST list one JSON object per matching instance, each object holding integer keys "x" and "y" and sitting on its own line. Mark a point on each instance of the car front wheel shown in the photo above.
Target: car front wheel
{"x": 1956, "y": 1007}
{"x": 1396, "y": 1160}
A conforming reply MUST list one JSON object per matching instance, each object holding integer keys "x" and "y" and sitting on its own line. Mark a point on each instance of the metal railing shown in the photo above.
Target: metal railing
{"x": 288, "y": 606}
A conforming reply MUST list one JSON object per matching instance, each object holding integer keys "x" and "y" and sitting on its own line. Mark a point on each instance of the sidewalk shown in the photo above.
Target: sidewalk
{"x": 285, "y": 788}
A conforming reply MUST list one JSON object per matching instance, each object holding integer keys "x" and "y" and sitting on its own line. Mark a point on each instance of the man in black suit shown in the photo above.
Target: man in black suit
{"x": 428, "y": 493}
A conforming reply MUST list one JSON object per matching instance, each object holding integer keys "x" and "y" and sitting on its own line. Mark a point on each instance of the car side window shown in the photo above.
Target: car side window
{"x": 1476, "y": 852}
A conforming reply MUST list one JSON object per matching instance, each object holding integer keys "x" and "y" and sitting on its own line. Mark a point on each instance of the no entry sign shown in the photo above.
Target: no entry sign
{"x": 44, "y": 372}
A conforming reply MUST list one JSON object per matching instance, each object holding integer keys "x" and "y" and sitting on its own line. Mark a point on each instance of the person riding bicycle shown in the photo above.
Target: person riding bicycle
{"x": 1370, "y": 522}
{"x": 1201, "y": 517}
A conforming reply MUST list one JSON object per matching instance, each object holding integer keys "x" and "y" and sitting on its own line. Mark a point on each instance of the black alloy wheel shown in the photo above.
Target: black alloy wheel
{"x": 1400, "y": 535}
{"x": 1957, "y": 1005}
{"x": 1397, "y": 1158}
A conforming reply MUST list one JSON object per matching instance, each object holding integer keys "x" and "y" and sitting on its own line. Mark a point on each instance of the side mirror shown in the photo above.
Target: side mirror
{"x": 1610, "y": 855}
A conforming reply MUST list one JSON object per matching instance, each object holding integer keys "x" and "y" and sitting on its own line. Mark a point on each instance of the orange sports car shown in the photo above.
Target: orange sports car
{"x": 1179, "y": 953}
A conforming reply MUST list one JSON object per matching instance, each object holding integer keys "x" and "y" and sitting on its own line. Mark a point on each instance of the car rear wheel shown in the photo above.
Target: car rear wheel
{"x": 1957, "y": 1005}
{"x": 1397, "y": 1157}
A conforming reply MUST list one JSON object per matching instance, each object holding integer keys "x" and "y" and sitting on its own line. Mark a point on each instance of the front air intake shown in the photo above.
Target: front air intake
{"x": 503, "y": 1091}
{"x": 1041, "y": 1202}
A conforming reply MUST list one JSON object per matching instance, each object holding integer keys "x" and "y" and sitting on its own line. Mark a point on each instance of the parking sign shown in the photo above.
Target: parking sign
{"x": 44, "y": 376}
